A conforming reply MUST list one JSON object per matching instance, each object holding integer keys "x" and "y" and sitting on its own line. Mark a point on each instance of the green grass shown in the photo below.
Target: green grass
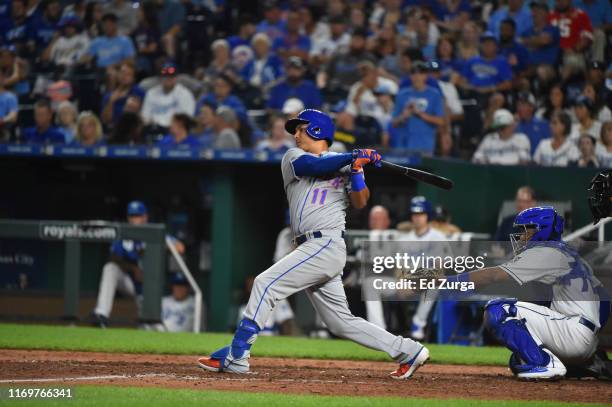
{"x": 135, "y": 397}
{"x": 14, "y": 336}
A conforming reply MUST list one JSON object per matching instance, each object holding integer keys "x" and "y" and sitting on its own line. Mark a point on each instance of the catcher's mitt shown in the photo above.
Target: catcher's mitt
{"x": 424, "y": 274}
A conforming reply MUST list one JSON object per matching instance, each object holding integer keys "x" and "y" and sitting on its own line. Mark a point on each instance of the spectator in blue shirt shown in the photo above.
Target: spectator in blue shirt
{"x": 246, "y": 31}
{"x": 535, "y": 129}
{"x": 113, "y": 101}
{"x": 515, "y": 53}
{"x": 111, "y": 49}
{"x": 272, "y": 25}
{"x": 599, "y": 11}
{"x": 292, "y": 42}
{"x": 222, "y": 96}
{"x": 179, "y": 136}
{"x": 265, "y": 68}
{"x": 418, "y": 112}
{"x": 41, "y": 31}
{"x": 488, "y": 72}
{"x": 43, "y": 131}
{"x": 542, "y": 40}
{"x": 8, "y": 110}
{"x": 515, "y": 11}
{"x": 89, "y": 131}
{"x": 203, "y": 128}
{"x": 14, "y": 29}
{"x": 295, "y": 86}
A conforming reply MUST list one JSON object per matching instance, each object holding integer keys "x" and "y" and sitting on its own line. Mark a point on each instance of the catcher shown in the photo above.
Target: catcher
{"x": 544, "y": 341}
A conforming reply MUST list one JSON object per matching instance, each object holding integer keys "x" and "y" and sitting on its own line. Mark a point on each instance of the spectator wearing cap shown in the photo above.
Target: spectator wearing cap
{"x": 111, "y": 49}
{"x": 587, "y": 147}
{"x": 113, "y": 102}
{"x": 66, "y": 50}
{"x": 44, "y": 29}
{"x": 295, "y": 86}
{"x": 177, "y": 309}
{"x": 542, "y": 40}
{"x": 276, "y": 140}
{"x": 14, "y": 30}
{"x": 224, "y": 127}
{"x": 515, "y": 11}
{"x": 503, "y": 146}
{"x": 409, "y": 55}
{"x": 488, "y": 72}
{"x": 341, "y": 72}
{"x": 292, "y": 107}
{"x": 535, "y": 129}
{"x": 266, "y": 68}
{"x": 127, "y": 17}
{"x": 337, "y": 42}
{"x": 516, "y": 54}
{"x": 272, "y": 24}
{"x": 89, "y": 130}
{"x": 584, "y": 110}
{"x": 362, "y": 100}
{"x": 162, "y": 101}
{"x": 418, "y": 113}
{"x": 558, "y": 150}
{"x": 43, "y": 131}
{"x": 576, "y": 35}
{"x": 203, "y": 128}
{"x": 292, "y": 42}
{"x": 221, "y": 95}
{"x": 180, "y": 128}
{"x": 9, "y": 108}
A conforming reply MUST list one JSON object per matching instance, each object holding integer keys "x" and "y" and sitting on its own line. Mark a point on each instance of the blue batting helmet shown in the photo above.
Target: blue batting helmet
{"x": 320, "y": 125}
{"x": 419, "y": 204}
{"x": 136, "y": 208}
{"x": 545, "y": 219}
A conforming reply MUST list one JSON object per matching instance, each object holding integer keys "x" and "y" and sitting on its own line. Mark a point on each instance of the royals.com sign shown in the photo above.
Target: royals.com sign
{"x": 78, "y": 231}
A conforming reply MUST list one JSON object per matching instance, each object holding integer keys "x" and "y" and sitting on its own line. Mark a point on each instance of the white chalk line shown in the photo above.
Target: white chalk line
{"x": 171, "y": 375}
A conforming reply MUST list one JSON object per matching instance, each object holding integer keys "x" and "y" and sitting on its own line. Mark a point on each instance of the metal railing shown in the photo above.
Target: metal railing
{"x": 600, "y": 226}
{"x": 197, "y": 312}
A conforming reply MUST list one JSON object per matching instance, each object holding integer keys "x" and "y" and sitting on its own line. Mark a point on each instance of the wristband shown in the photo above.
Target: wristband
{"x": 357, "y": 182}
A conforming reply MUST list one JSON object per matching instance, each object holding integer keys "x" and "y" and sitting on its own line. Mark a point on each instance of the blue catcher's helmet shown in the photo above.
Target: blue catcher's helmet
{"x": 544, "y": 219}
{"x": 419, "y": 204}
{"x": 320, "y": 125}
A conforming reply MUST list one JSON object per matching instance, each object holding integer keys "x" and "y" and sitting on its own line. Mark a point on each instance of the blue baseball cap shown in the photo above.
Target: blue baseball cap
{"x": 136, "y": 208}
{"x": 178, "y": 279}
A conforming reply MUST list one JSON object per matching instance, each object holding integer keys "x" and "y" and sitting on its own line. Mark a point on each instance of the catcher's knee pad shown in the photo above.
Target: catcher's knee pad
{"x": 500, "y": 318}
{"x": 245, "y": 336}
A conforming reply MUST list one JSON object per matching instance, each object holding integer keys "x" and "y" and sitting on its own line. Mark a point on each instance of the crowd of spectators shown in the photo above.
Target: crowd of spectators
{"x": 501, "y": 82}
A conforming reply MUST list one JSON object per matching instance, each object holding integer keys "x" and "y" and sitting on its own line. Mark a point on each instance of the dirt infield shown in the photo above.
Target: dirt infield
{"x": 302, "y": 376}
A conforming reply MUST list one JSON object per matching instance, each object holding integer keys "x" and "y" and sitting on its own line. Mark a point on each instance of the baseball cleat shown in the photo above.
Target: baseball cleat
{"x": 210, "y": 364}
{"x": 407, "y": 369}
{"x": 554, "y": 370}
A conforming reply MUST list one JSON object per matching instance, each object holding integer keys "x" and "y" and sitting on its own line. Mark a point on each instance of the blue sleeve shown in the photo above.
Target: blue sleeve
{"x": 398, "y": 106}
{"x": 308, "y": 165}
{"x": 128, "y": 48}
{"x": 117, "y": 248}
{"x": 438, "y": 106}
{"x": 12, "y": 104}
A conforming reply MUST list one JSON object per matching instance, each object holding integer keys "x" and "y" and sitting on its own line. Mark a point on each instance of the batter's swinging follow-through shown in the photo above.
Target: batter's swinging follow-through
{"x": 319, "y": 185}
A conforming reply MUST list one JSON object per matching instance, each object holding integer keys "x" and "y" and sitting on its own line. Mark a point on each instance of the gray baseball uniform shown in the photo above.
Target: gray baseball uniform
{"x": 319, "y": 204}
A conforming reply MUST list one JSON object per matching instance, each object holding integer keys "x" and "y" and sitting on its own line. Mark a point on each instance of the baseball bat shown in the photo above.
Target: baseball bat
{"x": 423, "y": 176}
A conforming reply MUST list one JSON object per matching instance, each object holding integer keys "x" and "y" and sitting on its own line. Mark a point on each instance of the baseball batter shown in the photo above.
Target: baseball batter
{"x": 319, "y": 187}
{"x": 545, "y": 340}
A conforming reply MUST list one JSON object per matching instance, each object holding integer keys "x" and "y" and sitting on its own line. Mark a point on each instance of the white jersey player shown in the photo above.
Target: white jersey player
{"x": 319, "y": 186}
{"x": 178, "y": 308}
{"x": 544, "y": 340}
{"x": 421, "y": 212}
